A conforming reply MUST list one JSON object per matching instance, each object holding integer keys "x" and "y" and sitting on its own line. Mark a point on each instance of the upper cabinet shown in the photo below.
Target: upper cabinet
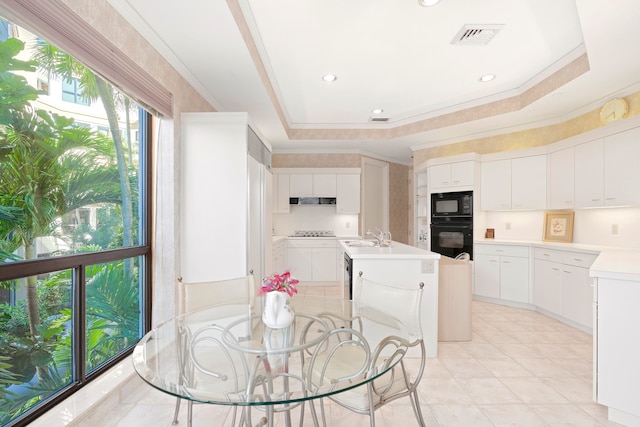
{"x": 514, "y": 184}
{"x": 589, "y": 174}
{"x": 312, "y": 185}
{"x": 529, "y": 183}
{"x": 622, "y": 168}
{"x": 607, "y": 172}
{"x": 458, "y": 174}
{"x": 495, "y": 183}
{"x": 340, "y": 183}
{"x": 560, "y": 183}
{"x": 348, "y": 193}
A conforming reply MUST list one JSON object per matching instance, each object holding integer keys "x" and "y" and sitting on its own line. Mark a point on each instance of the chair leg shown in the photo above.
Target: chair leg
{"x": 177, "y": 410}
{"x": 415, "y": 403}
{"x": 189, "y": 413}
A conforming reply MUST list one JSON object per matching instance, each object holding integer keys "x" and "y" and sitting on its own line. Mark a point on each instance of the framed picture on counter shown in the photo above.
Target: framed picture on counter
{"x": 558, "y": 227}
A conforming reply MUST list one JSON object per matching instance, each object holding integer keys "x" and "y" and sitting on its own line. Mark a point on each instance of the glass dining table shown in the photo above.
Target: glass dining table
{"x": 226, "y": 355}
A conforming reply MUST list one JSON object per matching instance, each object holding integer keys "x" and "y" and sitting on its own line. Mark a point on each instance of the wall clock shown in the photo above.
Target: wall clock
{"x": 613, "y": 110}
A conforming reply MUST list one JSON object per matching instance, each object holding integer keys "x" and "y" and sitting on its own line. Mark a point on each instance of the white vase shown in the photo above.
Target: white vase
{"x": 277, "y": 313}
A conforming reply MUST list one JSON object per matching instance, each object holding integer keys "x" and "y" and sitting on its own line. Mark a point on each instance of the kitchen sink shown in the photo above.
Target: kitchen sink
{"x": 364, "y": 243}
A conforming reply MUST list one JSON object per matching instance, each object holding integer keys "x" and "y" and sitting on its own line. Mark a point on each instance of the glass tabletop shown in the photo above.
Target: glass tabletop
{"x": 226, "y": 355}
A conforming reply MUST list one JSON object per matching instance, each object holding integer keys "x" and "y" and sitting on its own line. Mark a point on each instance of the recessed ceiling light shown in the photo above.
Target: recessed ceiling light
{"x": 487, "y": 77}
{"x": 329, "y": 77}
{"x": 428, "y": 3}
{"x": 377, "y": 110}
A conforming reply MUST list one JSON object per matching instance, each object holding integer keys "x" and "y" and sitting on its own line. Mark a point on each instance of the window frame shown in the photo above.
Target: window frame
{"x": 78, "y": 263}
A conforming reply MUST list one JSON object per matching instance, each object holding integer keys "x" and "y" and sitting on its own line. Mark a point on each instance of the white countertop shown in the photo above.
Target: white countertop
{"x": 580, "y": 247}
{"x": 621, "y": 264}
{"x": 395, "y": 251}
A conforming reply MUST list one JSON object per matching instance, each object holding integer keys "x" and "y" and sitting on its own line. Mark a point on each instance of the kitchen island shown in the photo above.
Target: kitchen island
{"x": 403, "y": 266}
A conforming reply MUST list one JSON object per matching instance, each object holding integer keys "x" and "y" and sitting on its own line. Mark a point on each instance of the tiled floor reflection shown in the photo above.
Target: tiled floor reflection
{"x": 521, "y": 369}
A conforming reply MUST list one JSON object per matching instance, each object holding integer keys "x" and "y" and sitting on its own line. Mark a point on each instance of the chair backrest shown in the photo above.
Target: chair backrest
{"x": 391, "y": 305}
{"x": 196, "y": 296}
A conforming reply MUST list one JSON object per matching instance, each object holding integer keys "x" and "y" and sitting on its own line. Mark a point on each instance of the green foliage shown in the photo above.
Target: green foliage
{"x": 15, "y": 93}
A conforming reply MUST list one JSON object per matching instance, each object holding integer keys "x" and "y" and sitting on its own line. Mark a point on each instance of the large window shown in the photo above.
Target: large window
{"x": 74, "y": 226}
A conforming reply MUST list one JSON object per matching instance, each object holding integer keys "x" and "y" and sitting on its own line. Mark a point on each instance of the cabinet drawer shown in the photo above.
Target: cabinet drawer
{"x": 549, "y": 255}
{"x": 312, "y": 243}
{"x": 579, "y": 259}
{"x": 510, "y": 250}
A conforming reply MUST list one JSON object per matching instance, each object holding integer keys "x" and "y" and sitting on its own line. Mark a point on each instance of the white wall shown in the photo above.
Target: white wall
{"x": 315, "y": 218}
{"x": 591, "y": 226}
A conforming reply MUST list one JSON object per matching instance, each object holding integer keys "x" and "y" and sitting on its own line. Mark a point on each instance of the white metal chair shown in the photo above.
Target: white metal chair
{"x": 382, "y": 311}
{"x": 230, "y": 299}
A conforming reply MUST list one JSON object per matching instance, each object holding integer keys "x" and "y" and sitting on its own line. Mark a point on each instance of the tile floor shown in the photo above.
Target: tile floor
{"x": 520, "y": 369}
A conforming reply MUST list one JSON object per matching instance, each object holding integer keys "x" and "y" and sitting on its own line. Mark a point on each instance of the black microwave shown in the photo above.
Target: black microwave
{"x": 455, "y": 204}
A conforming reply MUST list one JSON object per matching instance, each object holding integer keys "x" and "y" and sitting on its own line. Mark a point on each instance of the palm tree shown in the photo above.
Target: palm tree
{"x": 59, "y": 64}
{"x": 48, "y": 167}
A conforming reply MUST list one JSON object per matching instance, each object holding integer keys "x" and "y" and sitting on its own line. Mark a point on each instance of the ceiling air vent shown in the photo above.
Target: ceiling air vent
{"x": 476, "y": 35}
{"x": 379, "y": 119}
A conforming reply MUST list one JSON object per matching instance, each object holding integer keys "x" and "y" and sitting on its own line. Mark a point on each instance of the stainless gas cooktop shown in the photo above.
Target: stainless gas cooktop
{"x": 313, "y": 233}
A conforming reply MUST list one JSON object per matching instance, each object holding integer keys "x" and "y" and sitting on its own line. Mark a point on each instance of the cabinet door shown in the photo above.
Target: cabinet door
{"x": 561, "y": 179}
{"x": 514, "y": 279}
{"x": 324, "y": 185}
{"x": 577, "y": 295}
{"x": 589, "y": 174}
{"x": 547, "y": 290}
{"x": 462, "y": 173}
{"x": 324, "y": 267}
{"x": 621, "y": 171}
{"x": 529, "y": 182}
{"x": 487, "y": 275}
{"x": 301, "y": 185}
{"x": 282, "y": 192}
{"x": 440, "y": 176}
{"x": 299, "y": 260}
{"x": 348, "y": 193}
{"x": 496, "y": 185}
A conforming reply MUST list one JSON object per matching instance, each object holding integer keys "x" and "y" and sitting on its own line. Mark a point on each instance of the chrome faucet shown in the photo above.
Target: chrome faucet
{"x": 379, "y": 236}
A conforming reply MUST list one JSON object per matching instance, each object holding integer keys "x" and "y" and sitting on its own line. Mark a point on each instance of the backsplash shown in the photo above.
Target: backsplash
{"x": 315, "y": 218}
{"x": 591, "y": 226}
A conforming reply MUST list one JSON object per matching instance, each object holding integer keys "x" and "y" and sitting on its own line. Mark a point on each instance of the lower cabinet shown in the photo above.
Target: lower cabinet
{"x": 313, "y": 259}
{"x": 562, "y": 285}
{"x": 502, "y": 271}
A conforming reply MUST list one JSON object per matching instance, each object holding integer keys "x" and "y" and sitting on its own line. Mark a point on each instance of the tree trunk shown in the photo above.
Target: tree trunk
{"x": 106, "y": 94}
{"x": 33, "y": 311}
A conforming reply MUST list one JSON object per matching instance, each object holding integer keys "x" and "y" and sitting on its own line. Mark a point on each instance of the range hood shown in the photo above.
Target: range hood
{"x": 312, "y": 201}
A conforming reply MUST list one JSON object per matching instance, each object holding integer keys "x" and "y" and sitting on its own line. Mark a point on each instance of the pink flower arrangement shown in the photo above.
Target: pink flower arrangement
{"x": 280, "y": 283}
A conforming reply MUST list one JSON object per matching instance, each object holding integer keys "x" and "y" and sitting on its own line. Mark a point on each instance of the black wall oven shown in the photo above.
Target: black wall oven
{"x": 452, "y": 223}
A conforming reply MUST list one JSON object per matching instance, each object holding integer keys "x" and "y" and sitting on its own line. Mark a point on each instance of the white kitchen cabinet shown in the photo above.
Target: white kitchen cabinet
{"x": 495, "y": 185}
{"x": 502, "y": 272}
{"x": 616, "y": 349}
{"x": 589, "y": 174}
{"x": 281, "y": 187}
{"x": 560, "y": 184}
{"x": 312, "y": 185}
{"x": 562, "y": 285}
{"x": 223, "y": 161}
{"x": 312, "y": 259}
{"x": 514, "y": 184}
{"x": 348, "y": 193}
{"x": 457, "y": 174}
{"x": 529, "y": 183}
{"x": 547, "y": 289}
{"x": 486, "y": 275}
{"x": 621, "y": 171}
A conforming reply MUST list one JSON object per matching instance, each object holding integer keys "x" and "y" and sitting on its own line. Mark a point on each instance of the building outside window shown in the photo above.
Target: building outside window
{"x": 74, "y": 232}
{"x": 72, "y": 91}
